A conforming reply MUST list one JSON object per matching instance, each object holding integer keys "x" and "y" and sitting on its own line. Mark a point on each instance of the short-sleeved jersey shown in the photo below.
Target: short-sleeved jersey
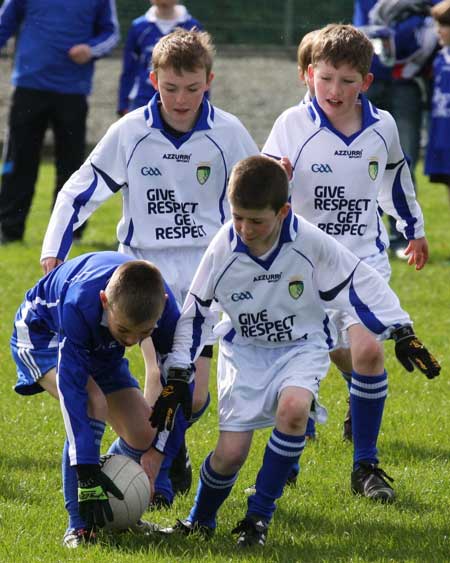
{"x": 280, "y": 300}
{"x": 173, "y": 188}
{"x": 340, "y": 182}
{"x": 63, "y": 310}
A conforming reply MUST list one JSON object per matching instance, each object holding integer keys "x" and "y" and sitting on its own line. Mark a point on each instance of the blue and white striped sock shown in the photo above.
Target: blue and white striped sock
{"x": 70, "y": 479}
{"x": 367, "y": 397}
{"x": 282, "y": 452}
{"x": 212, "y": 491}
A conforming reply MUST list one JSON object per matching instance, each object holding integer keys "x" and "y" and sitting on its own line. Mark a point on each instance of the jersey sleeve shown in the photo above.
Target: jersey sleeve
{"x": 102, "y": 175}
{"x": 12, "y": 13}
{"x": 130, "y": 69}
{"x": 72, "y": 376}
{"x": 242, "y": 146}
{"x": 195, "y": 324}
{"x": 106, "y": 29}
{"x": 397, "y": 195}
{"x": 348, "y": 284}
{"x": 276, "y": 145}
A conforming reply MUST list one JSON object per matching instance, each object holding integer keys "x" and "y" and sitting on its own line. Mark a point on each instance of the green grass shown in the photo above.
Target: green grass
{"x": 319, "y": 520}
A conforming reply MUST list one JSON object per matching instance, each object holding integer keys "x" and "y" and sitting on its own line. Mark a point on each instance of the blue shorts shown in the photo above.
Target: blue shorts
{"x": 33, "y": 363}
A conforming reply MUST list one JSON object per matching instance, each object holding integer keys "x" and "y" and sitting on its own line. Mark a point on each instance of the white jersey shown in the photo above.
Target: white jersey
{"x": 173, "y": 188}
{"x": 340, "y": 182}
{"x": 280, "y": 300}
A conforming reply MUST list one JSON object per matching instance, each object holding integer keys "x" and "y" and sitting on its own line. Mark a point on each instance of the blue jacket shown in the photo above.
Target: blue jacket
{"x": 47, "y": 30}
{"x": 135, "y": 89}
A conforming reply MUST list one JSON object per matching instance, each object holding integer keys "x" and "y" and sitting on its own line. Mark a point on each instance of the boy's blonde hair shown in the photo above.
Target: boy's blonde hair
{"x": 184, "y": 50}
{"x": 441, "y": 12}
{"x": 137, "y": 290}
{"x": 305, "y": 49}
{"x": 258, "y": 182}
{"x": 340, "y": 43}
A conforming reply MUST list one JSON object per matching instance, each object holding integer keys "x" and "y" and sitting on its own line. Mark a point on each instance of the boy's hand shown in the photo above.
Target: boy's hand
{"x": 175, "y": 394}
{"x": 417, "y": 251}
{"x": 411, "y": 352}
{"x": 49, "y": 264}
{"x": 93, "y": 488}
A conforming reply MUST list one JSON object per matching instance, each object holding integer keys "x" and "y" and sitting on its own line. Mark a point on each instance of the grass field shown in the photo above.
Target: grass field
{"x": 319, "y": 520}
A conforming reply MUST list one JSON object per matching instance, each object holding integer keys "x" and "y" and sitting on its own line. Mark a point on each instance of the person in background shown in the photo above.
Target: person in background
{"x": 135, "y": 86}
{"x": 53, "y": 69}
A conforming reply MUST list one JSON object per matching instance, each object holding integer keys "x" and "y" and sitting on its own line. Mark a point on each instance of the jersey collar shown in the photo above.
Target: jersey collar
{"x": 289, "y": 230}
{"x": 154, "y": 120}
{"x": 370, "y": 115}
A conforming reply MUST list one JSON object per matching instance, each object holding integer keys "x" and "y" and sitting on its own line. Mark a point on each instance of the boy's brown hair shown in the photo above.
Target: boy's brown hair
{"x": 304, "y": 50}
{"x": 340, "y": 43}
{"x": 136, "y": 289}
{"x": 184, "y": 50}
{"x": 441, "y": 12}
{"x": 258, "y": 182}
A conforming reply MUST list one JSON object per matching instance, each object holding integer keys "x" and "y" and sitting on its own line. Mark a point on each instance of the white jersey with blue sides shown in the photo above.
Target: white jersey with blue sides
{"x": 340, "y": 182}
{"x": 173, "y": 188}
{"x": 63, "y": 311}
{"x": 281, "y": 300}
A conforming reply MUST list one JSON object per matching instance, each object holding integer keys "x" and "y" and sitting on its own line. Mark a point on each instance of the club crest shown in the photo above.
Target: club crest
{"x": 296, "y": 287}
{"x": 373, "y": 169}
{"x": 203, "y": 172}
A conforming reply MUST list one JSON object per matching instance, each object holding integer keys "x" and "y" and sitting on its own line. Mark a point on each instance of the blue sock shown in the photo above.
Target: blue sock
{"x": 310, "y": 428}
{"x": 282, "y": 452}
{"x": 119, "y": 446}
{"x": 212, "y": 491}
{"x": 347, "y": 377}
{"x": 70, "y": 479}
{"x": 367, "y": 397}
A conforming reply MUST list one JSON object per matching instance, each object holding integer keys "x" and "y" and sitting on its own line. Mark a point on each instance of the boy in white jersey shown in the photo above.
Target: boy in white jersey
{"x": 347, "y": 162}
{"x": 272, "y": 273}
{"x": 171, "y": 159}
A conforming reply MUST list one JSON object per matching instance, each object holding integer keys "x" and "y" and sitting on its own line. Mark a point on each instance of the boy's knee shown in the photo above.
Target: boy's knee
{"x": 228, "y": 460}
{"x": 293, "y": 412}
{"x": 368, "y": 356}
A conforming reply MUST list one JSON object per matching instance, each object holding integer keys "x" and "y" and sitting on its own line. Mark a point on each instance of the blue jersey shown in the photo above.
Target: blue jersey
{"x": 437, "y": 159}
{"x": 135, "y": 88}
{"x": 63, "y": 311}
{"x": 48, "y": 29}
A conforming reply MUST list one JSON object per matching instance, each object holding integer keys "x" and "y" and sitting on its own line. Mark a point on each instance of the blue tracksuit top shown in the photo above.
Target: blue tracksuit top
{"x": 46, "y": 30}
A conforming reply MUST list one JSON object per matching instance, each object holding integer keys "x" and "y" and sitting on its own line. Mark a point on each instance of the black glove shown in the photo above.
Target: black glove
{"x": 411, "y": 352}
{"x": 175, "y": 394}
{"x": 93, "y": 503}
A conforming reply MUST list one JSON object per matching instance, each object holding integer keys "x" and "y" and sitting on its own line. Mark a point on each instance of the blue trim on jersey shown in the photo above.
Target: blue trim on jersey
{"x": 112, "y": 185}
{"x": 304, "y": 256}
{"x": 229, "y": 336}
{"x": 401, "y": 205}
{"x": 224, "y": 191}
{"x": 303, "y": 146}
{"x": 379, "y": 243}
{"x": 224, "y": 272}
{"x": 197, "y": 323}
{"x": 136, "y": 146}
{"x": 383, "y": 140}
{"x": 364, "y": 313}
{"x": 333, "y": 292}
{"x": 369, "y": 117}
{"x": 329, "y": 340}
{"x": 130, "y": 233}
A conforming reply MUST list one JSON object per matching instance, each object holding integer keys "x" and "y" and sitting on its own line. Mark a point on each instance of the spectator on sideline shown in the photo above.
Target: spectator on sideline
{"x": 53, "y": 69}
{"x": 135, "y": 87}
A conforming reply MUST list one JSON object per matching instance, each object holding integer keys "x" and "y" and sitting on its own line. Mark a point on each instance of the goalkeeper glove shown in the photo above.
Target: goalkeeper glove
{"x": 93, "y": 488}
{"x": 411, "y": 352}
{"x": 175, "y": 394}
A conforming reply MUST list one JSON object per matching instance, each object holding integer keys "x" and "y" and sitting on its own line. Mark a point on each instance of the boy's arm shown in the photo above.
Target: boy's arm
{"x": 101, "y": 176}
{"x": 106, "y": 29}
{"x": 355, "y": 287}
{"x": 130, "y": 68}
{"x": 11, "y": 16}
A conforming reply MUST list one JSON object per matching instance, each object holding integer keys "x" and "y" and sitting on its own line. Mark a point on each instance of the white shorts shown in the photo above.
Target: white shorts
{"x": 177, "y": 265}
{"x": 251, "y": 378}
{"x": 342, "y": 320}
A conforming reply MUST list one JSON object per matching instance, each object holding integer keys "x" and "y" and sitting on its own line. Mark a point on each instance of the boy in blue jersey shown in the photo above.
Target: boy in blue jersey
{"x": 69, "y": 339}
{"x": 347, "y": 162}
{"x": 135, "y": 87}
{"x": 171, "y": 161}
{"x": 273, "y": 274}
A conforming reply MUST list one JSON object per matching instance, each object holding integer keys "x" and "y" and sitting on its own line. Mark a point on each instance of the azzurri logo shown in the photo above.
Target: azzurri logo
{"x": 326, "y": 168}
{"x": 150, "y": 171}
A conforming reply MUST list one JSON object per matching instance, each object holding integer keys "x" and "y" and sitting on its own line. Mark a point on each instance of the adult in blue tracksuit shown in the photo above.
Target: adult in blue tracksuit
{"x": 135, "y": 88}
{"x": 399, "y": 85}
{"x": 57, "y": 45}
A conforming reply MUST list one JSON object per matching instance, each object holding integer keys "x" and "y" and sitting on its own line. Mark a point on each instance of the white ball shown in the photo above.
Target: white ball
{"x": 132, "y": 480}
